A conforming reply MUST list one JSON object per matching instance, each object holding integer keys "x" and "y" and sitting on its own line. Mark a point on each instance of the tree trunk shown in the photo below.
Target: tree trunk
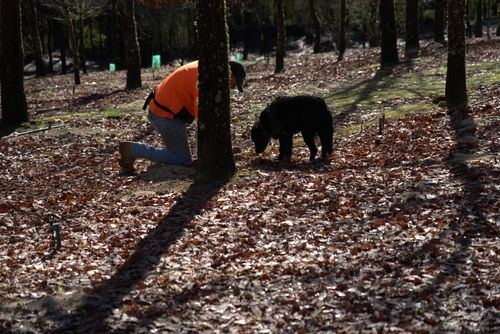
{"x": 487, "y": 17}
{"x": 14, "y": 105}
{"x": 50, "y": 44}
{"x": 81, "y": 46}
{"x": 317, "y": 26}
{"x": 61, "y": 37}
{"x": 389, "y": 52}
{"x": 262, "y": 36}
{"x": 467, "y": 20}
{"x": 215, "y": 154}
{"x": 373, "y": 26}
{"x": 192, "y": 33}
{"x": 113, "y": 32}
{"x": 32, "y": 18}
{"x": 247, "y": 23}
{"x": 72, "y": 43}
{"x": 101, "y": 23}
{"x": 132, "y": 51}
{"x": 342, "y": 45}
{"x": 412, "y": 45}
{"x": 365, "y": 34}
{"x": 456, "y": 92}
{"x": 478, "y": 31}
{"x": 439, "y": 20}
{"x": 280, "y": 36}
{"x": 91, "y": 36}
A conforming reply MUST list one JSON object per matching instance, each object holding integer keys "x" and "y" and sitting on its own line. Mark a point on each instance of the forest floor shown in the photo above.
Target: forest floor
{"x": 397, "y": 232}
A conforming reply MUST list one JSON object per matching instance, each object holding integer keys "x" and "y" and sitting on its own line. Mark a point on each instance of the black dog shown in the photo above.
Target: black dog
{"x": 288, "y": 115}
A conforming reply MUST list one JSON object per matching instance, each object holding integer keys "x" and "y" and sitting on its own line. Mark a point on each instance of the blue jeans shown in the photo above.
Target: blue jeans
{"x": 174, "y": 135}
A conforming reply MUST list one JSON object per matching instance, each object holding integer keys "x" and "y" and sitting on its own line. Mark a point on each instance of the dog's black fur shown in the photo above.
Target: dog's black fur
{"x": 288, "y": 115}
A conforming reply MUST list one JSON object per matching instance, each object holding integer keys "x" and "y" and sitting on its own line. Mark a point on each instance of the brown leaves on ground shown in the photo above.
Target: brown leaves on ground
{"x": 396, "y": 233}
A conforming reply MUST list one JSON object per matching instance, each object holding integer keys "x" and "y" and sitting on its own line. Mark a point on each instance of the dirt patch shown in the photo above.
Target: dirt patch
{"x": 163, "y": 179}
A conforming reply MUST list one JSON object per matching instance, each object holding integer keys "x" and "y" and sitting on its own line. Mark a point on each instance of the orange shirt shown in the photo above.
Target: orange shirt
{"x": 178, "y": 90}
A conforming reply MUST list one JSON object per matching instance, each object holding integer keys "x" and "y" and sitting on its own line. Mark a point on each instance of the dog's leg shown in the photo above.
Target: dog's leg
{"x": 326, "y": 138}
{"x": 309, "y": 140}
{"x": 285, "y": 147}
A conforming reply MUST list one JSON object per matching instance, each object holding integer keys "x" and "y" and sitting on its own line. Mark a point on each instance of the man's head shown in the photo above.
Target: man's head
{"x": 238, "y": 72}
{"x": 259, "y": 137}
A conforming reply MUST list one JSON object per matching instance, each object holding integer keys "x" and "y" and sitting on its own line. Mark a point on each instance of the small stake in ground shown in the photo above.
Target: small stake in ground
{"x": 56, "y": 229}
{"x": 381, "y": 122}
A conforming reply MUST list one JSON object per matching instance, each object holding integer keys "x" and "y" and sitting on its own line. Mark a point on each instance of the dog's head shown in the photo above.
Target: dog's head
{"x": 259, "y": 137}
{"x": 269, "y": 121}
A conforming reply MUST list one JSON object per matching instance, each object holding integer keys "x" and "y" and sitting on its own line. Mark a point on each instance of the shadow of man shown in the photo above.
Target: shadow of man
{"x": 98, "y": 304}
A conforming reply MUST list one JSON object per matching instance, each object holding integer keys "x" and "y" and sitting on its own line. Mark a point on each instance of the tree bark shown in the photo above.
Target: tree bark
{"x": 81, "y": 46}
{"x": 61, "y": 38}
{"x": 280, "y": 36}
{"x": 215, "y": 154}
{"x": 342, "y": 44}
{"x": 91, "y": 36}
{"x": 132, "y": 51}
{"x": 456, "y": 91}
{"x": 72, "y": 43}
{"x": 263, "y": 37}
{"x": 467, "y": 20}
{"x": 412, "y": 45}
{"x": 389, "y": 52}
{"x": 113, "y": 32}
{"x": 478, "y": 28}
{"x": 50, "y": 45}
{"x": 245, "y": 17}
{"x": 100, "y": 22}
{"x": 373, "y": 26}
{"x": 14, "y": 105}
{"x": 32, "y": 18}
{"x": 439, "y": 20}
{"x": 317, "y": 26}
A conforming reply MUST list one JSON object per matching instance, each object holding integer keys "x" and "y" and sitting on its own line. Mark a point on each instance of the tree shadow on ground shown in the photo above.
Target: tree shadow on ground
{"x": 385, "y": 79}
{"x": 77, "y": 104}
{"x": 82, "y": 101}
{"x": 98, "y": 304}
{"x": 367, "y": 87}
{"x": 469, "y": 226}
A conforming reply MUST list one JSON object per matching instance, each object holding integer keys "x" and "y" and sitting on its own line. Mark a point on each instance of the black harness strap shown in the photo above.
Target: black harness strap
{"x": 150, "y": 97}
{"x": 162, "y": 107}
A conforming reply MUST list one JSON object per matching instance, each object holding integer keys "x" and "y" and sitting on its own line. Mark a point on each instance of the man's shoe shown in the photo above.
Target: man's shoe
{"x": 126, "y": 159}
